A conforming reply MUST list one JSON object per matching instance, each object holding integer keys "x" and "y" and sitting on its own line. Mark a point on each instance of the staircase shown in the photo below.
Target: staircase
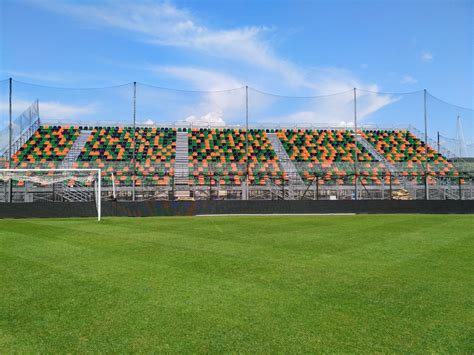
{"x": 181, "y": 170}
{"x": 76, "y": 193}
{"x": 407, "y": 184}
{"x": 286, "y": 163}
{"x": 283, "y": 192}
{"x": 20, "y": 139}
{"x": 359, "y": 138}
{"x": 445, "y": 186}
{"x": 76, "y": 149}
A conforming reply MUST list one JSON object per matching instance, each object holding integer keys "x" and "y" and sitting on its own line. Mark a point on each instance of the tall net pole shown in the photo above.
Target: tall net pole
{"x": 134, "y": 138}
{"x": 426, "y": 145}
{"x": 356, "y": 140}
{"x": 247, "y": 180}
{"x": 10, "y": 125}
{"x": 10, "y": 140}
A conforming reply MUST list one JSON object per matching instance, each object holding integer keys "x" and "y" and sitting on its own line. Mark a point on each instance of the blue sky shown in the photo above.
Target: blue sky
{"x": 301, "y": 48}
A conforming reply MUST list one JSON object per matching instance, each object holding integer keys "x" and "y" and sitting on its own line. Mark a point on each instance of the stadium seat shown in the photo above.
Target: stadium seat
{"x": 221, "y": 153}
{"x": 48, "y": 144}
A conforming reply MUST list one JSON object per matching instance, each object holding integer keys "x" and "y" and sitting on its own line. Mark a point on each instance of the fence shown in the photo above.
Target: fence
{"x": 309, "y": 181}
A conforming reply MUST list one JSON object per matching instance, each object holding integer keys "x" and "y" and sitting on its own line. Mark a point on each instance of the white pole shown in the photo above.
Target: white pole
{"x": 427, "y": 192}
{"x": 99, "y": 200}
{"x": 247, "y": 142}
{"x": 356, "y": 160}
{"x": 10, "y": 127}
{"x": 113, "y": 186}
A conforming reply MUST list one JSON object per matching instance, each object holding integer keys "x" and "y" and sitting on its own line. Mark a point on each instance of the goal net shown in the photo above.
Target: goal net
{"x": 51, "y": 185}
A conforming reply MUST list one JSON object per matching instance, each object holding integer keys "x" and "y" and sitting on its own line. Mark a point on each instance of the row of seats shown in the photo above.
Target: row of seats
{"x": 252, "y": 151}
{"x": 401, "y": 147}
{"x": 123, "y": 144}
{"x": 221, "y": 156}
{"x": 330, "y": 148}
{"x": 48, "y": 143}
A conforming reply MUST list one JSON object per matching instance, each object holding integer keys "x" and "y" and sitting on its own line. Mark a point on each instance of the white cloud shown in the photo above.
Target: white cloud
{"x": 408, "y": 79}
{"x": 215, "y": 103}
{"x": 427, "y": 57}
{"x": 211, "y": 119}
{"x": 330, "y": 110}
{"x": 247, "y": 48}
{"x": 166, "y": 25}
{"x": 200, "y": 79}
{"x": 333, "y": 111}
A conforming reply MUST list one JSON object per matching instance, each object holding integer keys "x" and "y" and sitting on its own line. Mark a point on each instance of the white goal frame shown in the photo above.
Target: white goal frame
{"x": 97, "y": 173}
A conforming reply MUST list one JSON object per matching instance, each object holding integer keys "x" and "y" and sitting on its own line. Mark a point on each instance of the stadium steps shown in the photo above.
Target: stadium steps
{"x": 379, "y": 157}
{"x": 74, "y": 193}
{"x": 446, "y": 187}
{"x": 21, "y": 139}
{"x": 286, "y": 163}
{"x": 407, "y": 184}
{"x": 283, "y": 192}
{"x": 181, "y": 180}
{"x": 76, "y": 149}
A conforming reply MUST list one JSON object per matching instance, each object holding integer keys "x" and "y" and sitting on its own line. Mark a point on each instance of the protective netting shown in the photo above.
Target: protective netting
{"x": 76, "y": 106}
{"x": 4, "y": 115}
{"x": 275, "y": 111}
{"x": 451, "y": 128}
{"x": 390, "y": 111}
{"x": 161, "y": 107}
{"x": 22, "y": 129}
{"x": 195, "y": 144}
{"x": 48, "y": 177}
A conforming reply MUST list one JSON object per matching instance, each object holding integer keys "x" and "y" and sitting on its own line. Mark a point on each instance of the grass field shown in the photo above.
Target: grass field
{"x": 386, "y": 283}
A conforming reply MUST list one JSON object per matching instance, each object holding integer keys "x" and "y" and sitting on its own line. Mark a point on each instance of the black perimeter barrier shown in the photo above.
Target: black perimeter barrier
{"x": 191, "y": 208}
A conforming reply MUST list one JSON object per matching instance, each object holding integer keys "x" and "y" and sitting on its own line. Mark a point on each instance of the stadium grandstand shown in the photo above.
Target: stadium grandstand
{"x": 195, "y": 161}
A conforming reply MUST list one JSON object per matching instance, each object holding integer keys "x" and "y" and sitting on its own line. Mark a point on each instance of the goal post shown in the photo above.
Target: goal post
{"x": 52, "y": 185}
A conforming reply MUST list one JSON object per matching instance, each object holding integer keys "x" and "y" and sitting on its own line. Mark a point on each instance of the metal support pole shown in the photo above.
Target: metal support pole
{"x": 317, "y": 187}
{"x": 426, "y": 186}
{"x": 356, "y": 140}
{"x": 10, "y": 125}
{"x": 247, "y": 142}
{"x": 437, "y": 142}
{"x": 355, "y": 186}
{"x": 172, "y": 187}
{"x": 134, "y": 139}
{"x": 460, "y": 187}
{"x": 427, "y": 192}
{"x": 283, "y": 189}
{"x": 390, "y": 182}
{"x": 10, "y": 139}
{"x": 210, "y": 186}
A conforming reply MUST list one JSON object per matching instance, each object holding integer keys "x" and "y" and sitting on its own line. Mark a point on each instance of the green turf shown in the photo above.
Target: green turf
{"x": 238, "y": 284}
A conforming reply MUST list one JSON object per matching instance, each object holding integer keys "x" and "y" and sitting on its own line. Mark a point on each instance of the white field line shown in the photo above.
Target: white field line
{"x": 273, "y": 214}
